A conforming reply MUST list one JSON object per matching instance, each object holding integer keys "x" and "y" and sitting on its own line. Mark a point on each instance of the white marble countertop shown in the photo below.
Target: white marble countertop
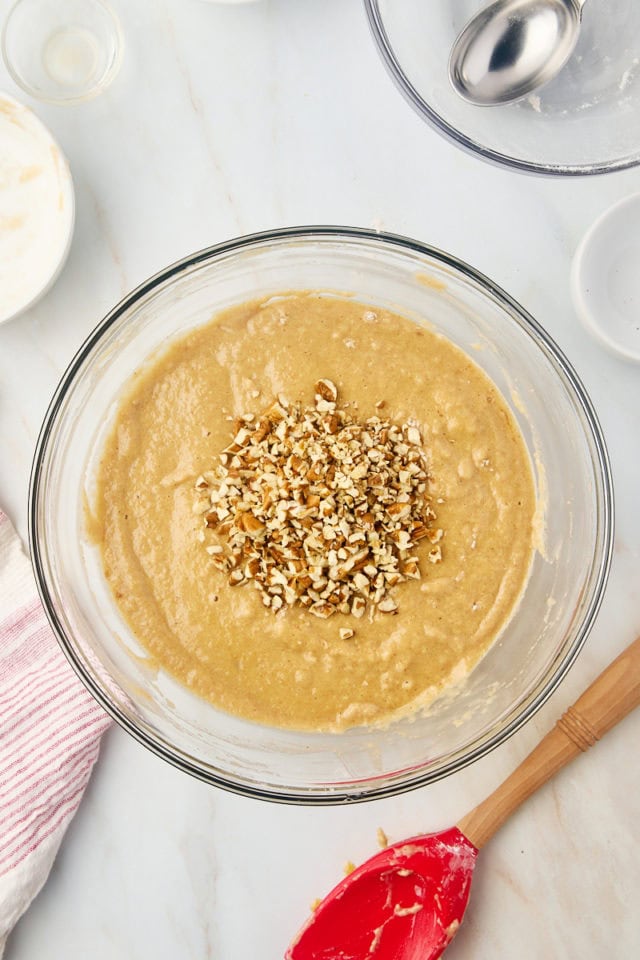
{"x": 226, "y": 120}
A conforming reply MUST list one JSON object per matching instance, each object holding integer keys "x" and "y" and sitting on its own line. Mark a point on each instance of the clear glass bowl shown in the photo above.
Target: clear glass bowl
{"x": 62, "y": 51}
{"x": 585, "y": 121}
{"x": 519, "y": 672}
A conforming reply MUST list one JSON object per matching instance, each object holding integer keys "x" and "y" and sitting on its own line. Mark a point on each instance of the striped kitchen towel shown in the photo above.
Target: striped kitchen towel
{"x": 50, "y": 729}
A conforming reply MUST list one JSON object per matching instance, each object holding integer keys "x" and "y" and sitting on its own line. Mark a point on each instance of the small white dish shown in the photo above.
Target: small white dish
{"x": 37, "y": 208}
{"x": 605, "y": 278}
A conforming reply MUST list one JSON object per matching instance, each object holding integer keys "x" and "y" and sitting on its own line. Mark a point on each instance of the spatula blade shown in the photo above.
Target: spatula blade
{"x": 404, "y": 903}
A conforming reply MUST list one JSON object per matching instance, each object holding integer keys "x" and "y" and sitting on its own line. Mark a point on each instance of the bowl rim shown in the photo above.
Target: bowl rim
{"x": 327, "y": 794}
{"x": 466, "y": 143}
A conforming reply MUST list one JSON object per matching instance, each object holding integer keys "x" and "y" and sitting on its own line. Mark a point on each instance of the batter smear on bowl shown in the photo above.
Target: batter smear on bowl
{"x": 314, "y": 513}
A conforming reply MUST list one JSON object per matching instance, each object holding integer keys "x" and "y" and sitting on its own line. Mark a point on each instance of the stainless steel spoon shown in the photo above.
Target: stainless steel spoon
{"x": 512, "y": 47}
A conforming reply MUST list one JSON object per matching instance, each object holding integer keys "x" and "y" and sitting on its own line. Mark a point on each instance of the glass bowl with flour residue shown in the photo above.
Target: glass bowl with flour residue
{"x": 585, "y": 121}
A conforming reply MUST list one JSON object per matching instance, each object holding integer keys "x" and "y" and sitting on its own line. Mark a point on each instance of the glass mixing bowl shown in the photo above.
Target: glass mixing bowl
{"x": 518, "y": 673}
{"x": 586, "y": 120}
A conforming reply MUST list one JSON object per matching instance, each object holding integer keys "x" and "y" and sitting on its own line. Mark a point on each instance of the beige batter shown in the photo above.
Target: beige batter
{"x": 293, "y": 670}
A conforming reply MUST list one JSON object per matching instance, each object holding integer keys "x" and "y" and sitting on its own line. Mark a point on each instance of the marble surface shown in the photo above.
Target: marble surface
{"x": 226, "y": 120}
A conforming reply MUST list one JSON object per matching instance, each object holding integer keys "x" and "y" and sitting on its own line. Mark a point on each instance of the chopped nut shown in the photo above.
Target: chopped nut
{"x": 358, "y": 607}
{"x": 346, "y": 633}
{"x": 318, "y": 508}
{"x": 411, "y": 569}
{"x": 253, "y": 526}
{"x": 388, "y": 605}
{"x": 413, "y": 435}
{"x": 322, "y": 610}
{"x": 419, "y": 532}
{"x": 398, "y": 510}
{"x": 327, "y": 390}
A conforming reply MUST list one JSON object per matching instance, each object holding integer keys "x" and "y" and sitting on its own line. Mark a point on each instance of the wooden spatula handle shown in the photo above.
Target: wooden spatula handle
{"x": 614, "y": 694}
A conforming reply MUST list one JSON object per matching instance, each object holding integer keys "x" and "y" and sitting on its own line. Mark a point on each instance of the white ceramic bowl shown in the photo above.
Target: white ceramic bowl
{"x": 37, "y": 208}
{"x": 605, "y": 278}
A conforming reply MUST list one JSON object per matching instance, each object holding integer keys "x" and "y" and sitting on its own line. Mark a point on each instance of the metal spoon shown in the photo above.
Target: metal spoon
{"x": 512, "y": 47}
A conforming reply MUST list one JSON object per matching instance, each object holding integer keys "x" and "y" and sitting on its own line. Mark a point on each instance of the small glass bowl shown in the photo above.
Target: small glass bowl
{"x": 585, "y": 121}
{"x": 62, "y": 51}
{"x": 521, "y": 669}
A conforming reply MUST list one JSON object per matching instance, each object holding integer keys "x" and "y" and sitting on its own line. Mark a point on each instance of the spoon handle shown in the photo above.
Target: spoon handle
{"x": 614, "y": 694}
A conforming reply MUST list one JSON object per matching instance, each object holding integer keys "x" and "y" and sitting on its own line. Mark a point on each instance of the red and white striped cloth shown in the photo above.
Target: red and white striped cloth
{"x": 50, "y": 729}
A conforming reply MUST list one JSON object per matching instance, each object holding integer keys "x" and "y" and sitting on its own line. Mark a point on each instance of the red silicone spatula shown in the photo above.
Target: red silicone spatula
{"x": 407, "y": 901}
